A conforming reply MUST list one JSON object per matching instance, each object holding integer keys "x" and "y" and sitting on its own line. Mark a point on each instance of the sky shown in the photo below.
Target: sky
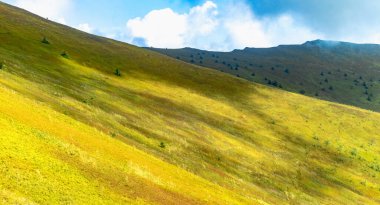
{"x": 220, "y": 25}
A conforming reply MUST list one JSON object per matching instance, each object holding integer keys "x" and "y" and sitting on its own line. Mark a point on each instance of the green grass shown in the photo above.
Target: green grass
{"x": 165, "y": 132}
{"x": 345, "y": 73}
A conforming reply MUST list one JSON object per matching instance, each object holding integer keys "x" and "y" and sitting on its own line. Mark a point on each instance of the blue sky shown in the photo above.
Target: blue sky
{"x": 216, "y": 24}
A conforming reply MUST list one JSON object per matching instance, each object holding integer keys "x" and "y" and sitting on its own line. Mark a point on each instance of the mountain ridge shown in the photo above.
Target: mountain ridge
{"x": 326, "y": 70}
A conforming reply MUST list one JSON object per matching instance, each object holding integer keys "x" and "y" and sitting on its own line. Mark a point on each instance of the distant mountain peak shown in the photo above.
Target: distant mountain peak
{"x": 322, "y": 43}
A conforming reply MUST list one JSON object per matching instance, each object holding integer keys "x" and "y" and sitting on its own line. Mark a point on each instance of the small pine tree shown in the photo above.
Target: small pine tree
{"x": 45, "y": 41}
{"x": 117, "y": 72}
{"x": 286, "y": 71}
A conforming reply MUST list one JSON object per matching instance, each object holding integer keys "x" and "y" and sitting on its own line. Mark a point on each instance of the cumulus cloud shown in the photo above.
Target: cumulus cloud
{"x": 54, "y": 10}
{"x": 159, "y": 28}
{"x": 208, "y": 26}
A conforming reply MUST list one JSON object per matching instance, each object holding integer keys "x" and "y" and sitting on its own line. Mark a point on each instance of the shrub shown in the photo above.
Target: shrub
{"x": 117, "y": 72}
{"x": 64, "y": 54}
{"x": 286, "y": 71}
{"x": 162, "y": 145}
{"x": 1, "y": 65}
{"x": 45, "y": 41}
{"x": 302, "y": 92}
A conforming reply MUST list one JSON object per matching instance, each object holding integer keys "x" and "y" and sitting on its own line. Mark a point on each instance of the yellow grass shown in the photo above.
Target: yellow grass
{"x": 71, "y": 132}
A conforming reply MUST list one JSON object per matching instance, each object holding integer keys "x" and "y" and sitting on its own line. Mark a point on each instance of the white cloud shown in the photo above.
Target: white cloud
{"x": 52, "y": 9}
{"x": 85, "y": 27}
{"x": 209, "y": 27}
{"x": 160, "y": 28}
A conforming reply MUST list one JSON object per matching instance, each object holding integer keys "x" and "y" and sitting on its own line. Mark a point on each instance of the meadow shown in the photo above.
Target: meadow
{"x": 89, "y": 120}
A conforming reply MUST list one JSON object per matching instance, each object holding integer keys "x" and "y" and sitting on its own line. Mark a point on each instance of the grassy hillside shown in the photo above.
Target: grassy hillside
{"x": 164, "y": 131}
{"x": 336, "y": 71}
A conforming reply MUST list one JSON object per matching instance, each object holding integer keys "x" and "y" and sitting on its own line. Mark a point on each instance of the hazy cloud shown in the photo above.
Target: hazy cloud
{"x": 345, "y": 20}
{"x": 85, "y": 27}
{"x": 46, "y": 8}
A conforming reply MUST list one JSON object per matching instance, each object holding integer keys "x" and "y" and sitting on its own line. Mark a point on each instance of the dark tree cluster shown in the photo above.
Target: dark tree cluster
{"x": 273, "y": 83}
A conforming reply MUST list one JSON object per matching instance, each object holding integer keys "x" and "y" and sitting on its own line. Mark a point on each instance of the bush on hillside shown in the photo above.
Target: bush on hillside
{"x": 45, "y": 41}
{"x": 117, "y": 72}
{"x": 1, "y": 65}
{"x": 64, "y": 54}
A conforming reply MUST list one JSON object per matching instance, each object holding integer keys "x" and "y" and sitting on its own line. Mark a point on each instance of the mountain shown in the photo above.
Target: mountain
{"x": 89, "y": 120}
{"x": 336, "y": 71}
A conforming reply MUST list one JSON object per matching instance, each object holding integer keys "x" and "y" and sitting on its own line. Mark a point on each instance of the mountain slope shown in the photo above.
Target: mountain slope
{"x": 165, "y": 132}
{"x": 335, "y": 71}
